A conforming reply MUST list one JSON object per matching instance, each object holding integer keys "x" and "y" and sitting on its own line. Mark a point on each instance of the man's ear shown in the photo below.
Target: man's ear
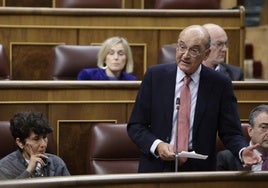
{"x": 19, "y": 143}
{"x": 250, "y": 131}
{"x": 207, "y": 52}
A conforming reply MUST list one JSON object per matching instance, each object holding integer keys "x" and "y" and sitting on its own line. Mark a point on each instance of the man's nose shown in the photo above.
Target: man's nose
{"x": 224, "y": 47}
{"x": 187, "y": 53}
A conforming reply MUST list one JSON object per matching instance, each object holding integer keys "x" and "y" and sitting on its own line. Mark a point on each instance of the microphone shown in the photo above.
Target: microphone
{"x": 176, "y": 138}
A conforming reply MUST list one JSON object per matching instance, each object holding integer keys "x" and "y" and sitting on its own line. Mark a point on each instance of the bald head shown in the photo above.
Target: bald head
{"x": 215, "y": 31}
{"x": 193, "y": 48}
{"x": 197, "y": 31}
{"x": 219, "y": 42}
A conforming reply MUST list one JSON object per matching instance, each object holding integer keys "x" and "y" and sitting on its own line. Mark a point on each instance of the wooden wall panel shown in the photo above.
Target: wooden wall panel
{"x": 97, "y": 100}
{"x": 28, "y": 3}
{"x": 249, "y": 95}
{"x": 149, "y": 4}
{"x": 151, "y": 28}
{"x": 138, "y": 4}
{"x": 135, "y": 4}
{"x": 82, "y": 102}
{"x": 88, "y": 111}
{"x": 31, "y": 61}
{"x": 76, "y": 144}
{"x": 9, "y": 108}
{"x": 30, "y": 51}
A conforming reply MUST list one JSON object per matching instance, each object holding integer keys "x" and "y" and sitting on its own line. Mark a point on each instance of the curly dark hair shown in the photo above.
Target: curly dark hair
{"x": 23, "y": 123}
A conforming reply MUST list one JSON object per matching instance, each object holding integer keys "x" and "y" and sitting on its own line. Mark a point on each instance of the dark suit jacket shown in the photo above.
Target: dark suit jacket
{"x": 216, "y": 110}
{"x": 99, "y": 74}
{"x": 233, "y": 72}
{"x": 227, "y": 161}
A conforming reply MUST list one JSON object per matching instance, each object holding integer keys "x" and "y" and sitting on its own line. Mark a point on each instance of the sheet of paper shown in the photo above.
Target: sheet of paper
{"x": 192, "y": 154}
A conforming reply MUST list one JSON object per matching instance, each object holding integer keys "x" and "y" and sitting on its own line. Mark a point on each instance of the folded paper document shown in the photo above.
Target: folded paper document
{"x": 192, "y": 154}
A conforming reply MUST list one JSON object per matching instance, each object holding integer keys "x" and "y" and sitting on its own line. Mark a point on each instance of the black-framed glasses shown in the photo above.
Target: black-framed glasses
{"x": 193, "y": 52}
{"x": 220, "y": 44}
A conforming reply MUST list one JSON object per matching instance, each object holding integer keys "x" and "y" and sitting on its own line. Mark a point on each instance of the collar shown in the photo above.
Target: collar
{"x": 195, "y": 76}
{"x": 218, "y": 67}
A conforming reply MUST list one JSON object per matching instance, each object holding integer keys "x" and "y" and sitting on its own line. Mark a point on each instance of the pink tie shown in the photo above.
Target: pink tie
{"x": 264, "y": 163}
{"x": 183, "y": 121}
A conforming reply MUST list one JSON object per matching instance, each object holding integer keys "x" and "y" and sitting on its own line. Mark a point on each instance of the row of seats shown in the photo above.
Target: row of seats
{"x": 68, "y": 60}
{"x": 89, "y": 4}
{"x": 7, "y": 144}
{"x": 158, "y": 4}
{"x": 110, "y": 150}
{"x": 66, "y": 66}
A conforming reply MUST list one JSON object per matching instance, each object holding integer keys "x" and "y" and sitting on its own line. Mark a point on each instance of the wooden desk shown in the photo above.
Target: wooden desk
{"x": 69, "y": 100}
{"x": 150, "y": 180}
{"x": 29, "y": 34}
{"x": 97, "y": 100}
{"x": 249, "y": 94}
{"x": 84, "y": 102}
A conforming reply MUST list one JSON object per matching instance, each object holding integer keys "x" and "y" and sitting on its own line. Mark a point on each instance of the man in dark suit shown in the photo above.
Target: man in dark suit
{"x": 213, "y": 109}
{"x": 258, "y": 132}
{"x": 217, "y": 56}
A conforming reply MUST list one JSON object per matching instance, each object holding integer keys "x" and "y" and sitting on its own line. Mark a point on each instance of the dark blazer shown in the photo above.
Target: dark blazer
{"x": 99, "y": 74}
{"x": 233, "y": 72}
{"x": 227, "y": 161}
{"x": 216, "y": 111}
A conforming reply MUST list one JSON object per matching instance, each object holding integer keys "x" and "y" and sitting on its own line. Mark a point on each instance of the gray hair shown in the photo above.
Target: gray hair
{"x": 256, "y": 111}
{"x": 106, "y": 47}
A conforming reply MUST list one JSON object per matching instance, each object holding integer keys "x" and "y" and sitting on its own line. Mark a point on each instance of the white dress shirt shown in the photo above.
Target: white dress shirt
{"x": 193, "y": 85}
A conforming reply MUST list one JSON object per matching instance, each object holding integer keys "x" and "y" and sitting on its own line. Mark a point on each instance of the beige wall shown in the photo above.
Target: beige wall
{"x": 258, "y": 36}
{"x": 228, "y": 4}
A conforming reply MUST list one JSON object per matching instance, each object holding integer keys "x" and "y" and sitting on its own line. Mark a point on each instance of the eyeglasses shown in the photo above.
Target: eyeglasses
{"x": 192, "y": 51}
{"x": 220, "y": 44}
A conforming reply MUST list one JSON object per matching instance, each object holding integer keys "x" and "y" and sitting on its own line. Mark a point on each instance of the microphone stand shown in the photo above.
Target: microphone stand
{"x": 176, "y": 138}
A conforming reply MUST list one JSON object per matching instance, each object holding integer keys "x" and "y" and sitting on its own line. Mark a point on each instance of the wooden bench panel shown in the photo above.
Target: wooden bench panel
{"x": 38, "y": 30}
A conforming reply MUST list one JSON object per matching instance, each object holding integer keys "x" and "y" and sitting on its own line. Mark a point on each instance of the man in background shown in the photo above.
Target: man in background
{"x": 218, "y": 48}
{"x": 258, "y": 132}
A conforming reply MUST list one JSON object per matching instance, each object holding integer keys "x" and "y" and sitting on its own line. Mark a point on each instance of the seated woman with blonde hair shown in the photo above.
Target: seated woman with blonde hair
{"x": 115, "y": 62}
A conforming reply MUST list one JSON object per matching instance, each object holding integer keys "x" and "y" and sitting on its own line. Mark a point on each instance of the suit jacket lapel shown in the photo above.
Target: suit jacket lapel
{"x": 170, "y": 79}
{"x": 202, "y": 96}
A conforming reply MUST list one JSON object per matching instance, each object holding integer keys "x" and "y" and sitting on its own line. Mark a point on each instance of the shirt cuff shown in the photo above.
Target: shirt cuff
{"x": 154, "y": 146}
{"x": 240, "y": 154}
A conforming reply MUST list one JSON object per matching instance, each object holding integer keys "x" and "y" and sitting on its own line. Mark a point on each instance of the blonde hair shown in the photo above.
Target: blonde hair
{"x": 106, "y": 47}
